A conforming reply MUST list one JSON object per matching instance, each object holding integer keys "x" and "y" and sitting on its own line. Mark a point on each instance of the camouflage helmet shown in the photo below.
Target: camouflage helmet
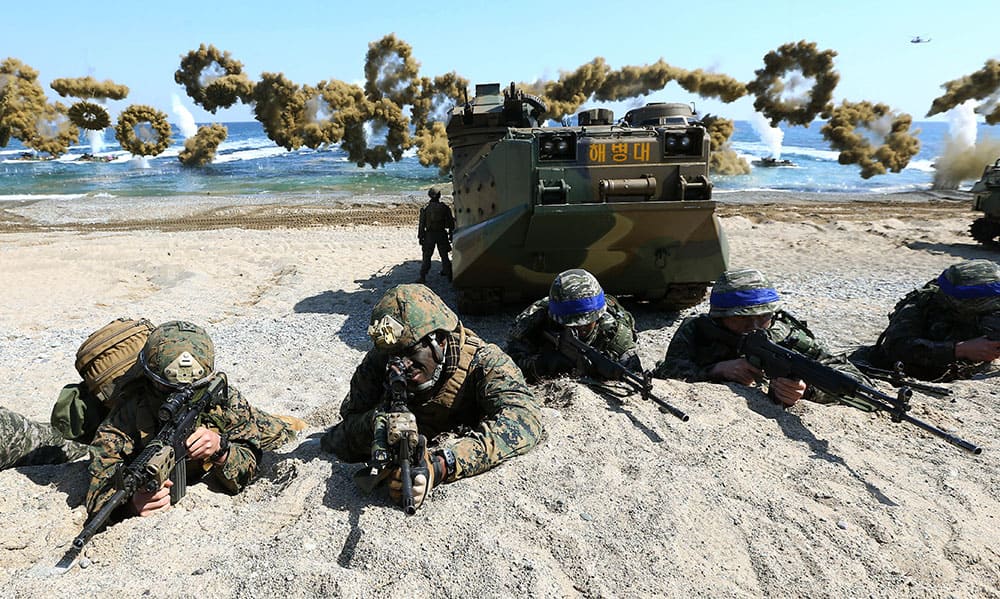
{"x": 972, "y": 285}
{"x": 434, "y": 192}
{"x": 406, "y": 314}
{"x": 576, "y": 298}
{"x": 742, "y": 292}
{"x": 177, "y": 354}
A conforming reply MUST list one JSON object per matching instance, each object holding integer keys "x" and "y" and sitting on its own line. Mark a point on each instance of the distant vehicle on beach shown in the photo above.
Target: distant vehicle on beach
{"x": 986, "y": 198}
{"x": 628, "y": 200}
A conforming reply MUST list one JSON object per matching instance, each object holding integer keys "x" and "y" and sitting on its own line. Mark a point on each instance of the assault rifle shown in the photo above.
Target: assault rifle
{"x": 385, "y": 451}
{"x": 780, "y": 362}
{"x": 163, "y": 457}
{"x": 589, "y": 359}
{"x": 896, "y": 378}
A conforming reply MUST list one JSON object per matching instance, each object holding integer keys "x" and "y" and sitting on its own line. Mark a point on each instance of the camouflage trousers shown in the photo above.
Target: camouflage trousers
{"x": 275, "y": 431}
{"x": 27, "y": 443}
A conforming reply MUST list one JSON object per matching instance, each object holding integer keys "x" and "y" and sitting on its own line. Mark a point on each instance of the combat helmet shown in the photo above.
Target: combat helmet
{"x": 972, "y": 285}
{"x": 434, "y": 193}
{"x": 406, "y": 314}
{"x": 178, "y": 354}
{"x": 576, "y": 298}
{"x": 742, "y": 292}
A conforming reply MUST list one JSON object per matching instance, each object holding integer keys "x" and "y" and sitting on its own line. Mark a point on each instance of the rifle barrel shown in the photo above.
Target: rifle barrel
{"x": 100, "y": 518}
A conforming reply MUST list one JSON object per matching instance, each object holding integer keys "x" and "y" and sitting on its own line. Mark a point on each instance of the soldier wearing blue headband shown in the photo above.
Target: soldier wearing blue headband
{"x": 949, "y": 328}
{"x": 743, "y": 301}
{"x": 576, "y": 302}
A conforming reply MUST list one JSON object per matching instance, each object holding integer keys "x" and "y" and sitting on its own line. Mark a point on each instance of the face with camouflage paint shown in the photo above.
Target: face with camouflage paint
{"x": 421, "y": 364}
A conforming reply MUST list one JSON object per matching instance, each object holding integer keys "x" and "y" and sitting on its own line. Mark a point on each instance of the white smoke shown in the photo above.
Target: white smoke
{"x": 962, "y": 125}
{"x": 771, "y": 136}
{"x": 185, "y": 121}
{"x": 96, "y": 139}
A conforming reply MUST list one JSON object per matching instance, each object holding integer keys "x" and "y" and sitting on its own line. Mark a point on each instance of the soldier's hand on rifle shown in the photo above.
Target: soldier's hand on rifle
{"x": 421, "y": 473}
{"x": 737, "y": 370}
{"x": 551, "y": 362}
{"x": 787, "y": 391}
{"x": 979, "y": 349}
{"x": 146, "y": 504}
{"x": 202, "y": 443}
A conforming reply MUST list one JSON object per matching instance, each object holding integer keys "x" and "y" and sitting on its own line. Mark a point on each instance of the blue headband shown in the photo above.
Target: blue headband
{"x": 968, "y": 291}
{"x": 577, "y": 306}
{"x": 740, "y": 299}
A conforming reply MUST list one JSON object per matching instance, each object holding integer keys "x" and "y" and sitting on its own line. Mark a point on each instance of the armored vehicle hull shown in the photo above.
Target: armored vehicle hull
{"x": 986, "y": 193}
{"x": 628, "y": 201}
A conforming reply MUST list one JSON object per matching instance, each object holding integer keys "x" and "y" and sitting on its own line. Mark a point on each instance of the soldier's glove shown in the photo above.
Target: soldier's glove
{"x": 400, "y": 425}
{"x": 421, "y": 239}
{"x": 551, "y": 363}
{"x": 421, "y": 473}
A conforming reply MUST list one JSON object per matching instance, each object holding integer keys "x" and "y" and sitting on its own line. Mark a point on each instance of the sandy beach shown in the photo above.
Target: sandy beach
{"x": 744, "y": 500}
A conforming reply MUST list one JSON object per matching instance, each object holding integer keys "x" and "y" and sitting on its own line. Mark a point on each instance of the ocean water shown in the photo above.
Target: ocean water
{"x": 249, "y": 164}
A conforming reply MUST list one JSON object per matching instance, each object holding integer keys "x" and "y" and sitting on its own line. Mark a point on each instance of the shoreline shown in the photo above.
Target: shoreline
{"x": 205, "y": 212}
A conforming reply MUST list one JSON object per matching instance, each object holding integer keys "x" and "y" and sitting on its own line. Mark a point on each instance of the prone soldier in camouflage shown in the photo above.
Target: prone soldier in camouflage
{"x": 577, "y": 301}
{"x": 434, "y": 231}
{"x": 743, "y": 301}
{"x": 24, "y": 442}
{"x": 468, "y": 397}
{"x": 81, "y": 407}
{"x": 949, "y": 328}
{"x": 224, "y": 448}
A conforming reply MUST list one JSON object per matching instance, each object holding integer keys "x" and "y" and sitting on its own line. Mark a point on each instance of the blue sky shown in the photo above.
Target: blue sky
{"x": 503, "y": 41}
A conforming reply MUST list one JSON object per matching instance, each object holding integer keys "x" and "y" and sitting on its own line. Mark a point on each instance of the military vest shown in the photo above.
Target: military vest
{"x": 449, "y": 406}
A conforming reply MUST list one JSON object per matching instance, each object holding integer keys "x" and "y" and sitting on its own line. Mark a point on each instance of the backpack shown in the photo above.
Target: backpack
{"x": 110, "y": 353}
{"x": 107, "y": 359}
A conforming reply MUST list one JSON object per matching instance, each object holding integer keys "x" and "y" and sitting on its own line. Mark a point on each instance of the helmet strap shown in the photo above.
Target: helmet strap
{"x": 435, "y": 349}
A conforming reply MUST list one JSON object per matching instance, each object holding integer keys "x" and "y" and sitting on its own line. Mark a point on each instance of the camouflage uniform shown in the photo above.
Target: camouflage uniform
{"x": 434, "y": 231}
{"x": 614, "y": 336}
{"x": 701, "y": 341}
{"x": 575, "y": 299}
{"x": 480, "y": 408}
{"x": 962, "y": 303}
{"x": 133, "y": 422}
{"x": 81, "y": 407}
{"x": 28, "y": 443}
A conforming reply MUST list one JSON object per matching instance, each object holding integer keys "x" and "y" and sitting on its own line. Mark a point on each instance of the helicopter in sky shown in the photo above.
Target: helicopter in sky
{"x": 919, "y": 40}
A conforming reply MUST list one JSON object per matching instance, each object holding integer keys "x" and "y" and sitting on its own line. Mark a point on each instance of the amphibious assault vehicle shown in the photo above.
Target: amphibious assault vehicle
{"x": 630, "y": 201}
{"x": 986, "y": 193}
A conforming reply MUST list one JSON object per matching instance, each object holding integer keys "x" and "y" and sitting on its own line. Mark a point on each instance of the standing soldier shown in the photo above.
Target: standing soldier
{"x": 949, "y": 328}
{"x": 462, "y": 394}
{"x": 576, "y": 302}
{"x": 434, "y": 231}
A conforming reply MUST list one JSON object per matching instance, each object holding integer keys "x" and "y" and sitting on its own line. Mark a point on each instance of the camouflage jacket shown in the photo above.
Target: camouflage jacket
{"x": 24, "y": 442}
{"x": 694, "y": 350}
{"x": 133, "y": 422}
{"x": 923, "y": 330}
{"x": 436, "y": 223}
{"x": 614, "y": 336}
{"x": 492, "y": 417}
